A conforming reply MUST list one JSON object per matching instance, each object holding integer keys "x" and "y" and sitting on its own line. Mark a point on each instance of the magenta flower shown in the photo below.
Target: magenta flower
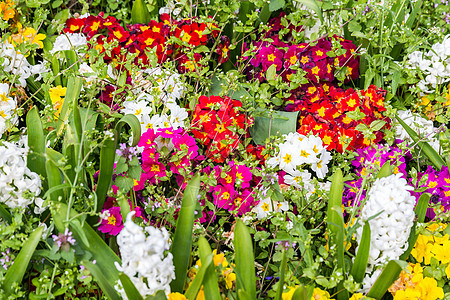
{"x": 271, "y": 56}
{"x": 223, "y": 196}
{"x": 112, "y": 221}
{"x": 243, "y": 175}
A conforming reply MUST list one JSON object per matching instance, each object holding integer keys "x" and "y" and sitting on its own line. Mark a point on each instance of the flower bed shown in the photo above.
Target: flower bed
{"x": 224, "y": 150}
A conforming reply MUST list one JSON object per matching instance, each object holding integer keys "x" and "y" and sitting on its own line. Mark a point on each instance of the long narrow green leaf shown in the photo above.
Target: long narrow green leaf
{"x": 54, "y": 177}
{"x": 5, "y": 215}
{"x": 107, "y": 154}
{"x": 102, "y": 280}
{"x": 432, "y": 155}
{"x": 335, "y": 225}
{"x": 129, "y": 287}
{"x": 107, "y": 274}
{"x": 135, "y": 127}
{"x": 210, "y": 285}
{"x": 71, "y": 59}
{"x": 196, "y": 284}
{"x": 72, "y": 94}
{"x": 387, "y": 278}
{"x": 15, "y": 273}
{"x": 245, "y": 262}
{"x": 362, "y": 257}
{"x": 421, "y": 211}
{"x": 412, "y": 17}
{"x": 160, "y": 295}
{"x": 182, "y": 242}
{"x": 56, "y": 68}
{"x": 36, "y": 142}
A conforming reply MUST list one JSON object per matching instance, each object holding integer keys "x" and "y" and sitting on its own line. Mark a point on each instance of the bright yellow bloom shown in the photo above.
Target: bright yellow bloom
{"x": 441, "y": 252}
{"x": 288, "y": 295}
{"x": 57, "y": 96}
{"x": 201, "y": 294}
{"x": 29, "y": 35}
{"x": 422, "y": 249}
{"x": 429, "y": 289}
{"x": 176, "y": 296}
{"x": 436, "y": 226}
{"x": 408, "y": 294}
{"x": 229, "y": 277}
{"x": 7, "y": 10}
{"x": 319, "y": 294}
{"x": 357, "y": 296}
{"x": 447, "y": 271}
{"x": 219, "y": 259}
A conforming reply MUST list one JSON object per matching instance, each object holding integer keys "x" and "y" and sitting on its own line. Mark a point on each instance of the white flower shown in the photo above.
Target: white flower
{"x": 423, "y": 127}
{"x": 137, "y": 108}
{"x": 89, "y": 74}
{"x": 267, "y": 206}
{"x": 143, "y": 259}
{"x": 390, "y": 201}
{"x": 299, "y": 179}
{"x": 177, "y": 116}
{"x": 19, "y": 187}
{"x": 321, "y": 167}
{"x": 69, "y": 41}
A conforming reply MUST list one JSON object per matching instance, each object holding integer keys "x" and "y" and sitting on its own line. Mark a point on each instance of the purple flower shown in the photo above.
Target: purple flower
{"x": 64, "y": 240}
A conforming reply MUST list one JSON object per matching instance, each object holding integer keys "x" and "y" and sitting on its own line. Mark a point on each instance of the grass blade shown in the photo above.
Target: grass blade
{"x": 362, "y": 257}
{"x": 210, "y": 285}
{"x": 282, "y": 272}
{"x": 54, "y": 177}
{"x": 36, "y": 142}
{"x": 182, "y": 242}
{"x": 196, "y": 284}
{"x": 72, "y": 94}
{"x": 432, "y": 155}
{"x": 245, "y": 263}
{"x": 387, "y": 278}
{"x": 107, "y": 154}
{"x": 102, "y": 280}
{"x": 15, "y": 273}
{"x": 129, "y": 287}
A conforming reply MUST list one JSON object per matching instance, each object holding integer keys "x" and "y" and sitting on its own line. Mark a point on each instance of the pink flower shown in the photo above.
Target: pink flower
{"x": 223, "y": 195}
{"x": 112, "y": 223}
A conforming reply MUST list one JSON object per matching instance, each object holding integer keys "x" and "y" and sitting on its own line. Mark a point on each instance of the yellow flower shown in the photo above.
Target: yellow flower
{"x": 7, "y": 10}
{"x": 176, "y": 296}
{"x": 422, "y": 249}
{"x": 408, "y": 294}
{"x": 429, "y": 289}
{"x": 441, "y": 252}
{"x": 57, "y": 96}
{"x": 319, "y": 294}
{"x": 201, "y": 294}
{"x": 357, "y": 296}
{"x": 288, "y": 295}
{"x": 28, "y": 35}
{"x": 447, "y": 271}
{"x": 435, "y": 226}
{"x": 229, "y": 277}
{"x": 219, "y": 259}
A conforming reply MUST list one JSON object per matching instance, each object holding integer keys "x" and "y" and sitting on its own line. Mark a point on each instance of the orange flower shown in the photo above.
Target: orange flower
{"x": 7, "y": 10}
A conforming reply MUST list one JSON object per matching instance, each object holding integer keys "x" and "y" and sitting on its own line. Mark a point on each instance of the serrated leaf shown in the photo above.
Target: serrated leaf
{"x": 312, "y": 4}
{"x": 124, "y": 183}
{"x": 276, "y": 5}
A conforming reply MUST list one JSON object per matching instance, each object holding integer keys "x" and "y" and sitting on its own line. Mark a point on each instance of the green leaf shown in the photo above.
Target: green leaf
{"x": 140, "y": 13}
{"x": 16, "y": 271}
{"x": 36, "y": 141}
{"x": 385, "y": 170}
{"x": 312, "y": 4}
{"x": 265, "y": 13}
{"x": 135, "y": 126}
{"x": 245, "y": 263}
{"x": 271, "y": 73}
{"x": 196, "y": 284}
{"x": 276, "y": 5}
{"x": 387, "y": 278}
{"x": 210, "y": 285}
{"x": 182, "y": 241}
{"x": 107, "y": 154}
{"x": 421, "y": 211}
{"x": 4, "y": 214}
{"x": 160, "y": 295}
{"x": 129, "y": 287}
{"x": 72, "y": 94}
{"x": 335, "y": 225}
{"x": 300, "y": 293}
{"x": 280, "y": 122}
{"x": 54, "y": 176}
{"x": 432, "y": 155}
{"x": 362, "y": 257}
{"x": 104, "y": 269}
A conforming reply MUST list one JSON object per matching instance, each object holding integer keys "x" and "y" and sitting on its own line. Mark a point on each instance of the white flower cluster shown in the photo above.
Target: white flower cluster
{"x": 17, "y": 64}
{"x": 19, "y": 187}
{"x": 8, "y": 107}
{"x": 391, "y": 202}
{"x": 298, "y": 150}
{"x": 69, "y": 41}
{"x": 435, "y": 65}
{"x": 423, "y": 127}
{"x": 143, "y": 259}
{"x": 158, "y": 87}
